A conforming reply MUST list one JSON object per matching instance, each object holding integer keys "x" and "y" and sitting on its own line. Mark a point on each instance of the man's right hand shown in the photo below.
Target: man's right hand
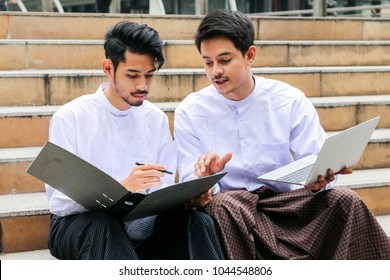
{"x": 144, "y": 177}
{"x": 210, "y": 163}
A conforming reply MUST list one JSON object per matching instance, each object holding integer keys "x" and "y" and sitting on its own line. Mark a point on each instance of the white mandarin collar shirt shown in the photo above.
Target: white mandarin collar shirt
{"x": 110, "y": 139}
{"x": 264, "y": 131}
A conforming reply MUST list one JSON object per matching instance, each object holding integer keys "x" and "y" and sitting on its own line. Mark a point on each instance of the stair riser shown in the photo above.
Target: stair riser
{"x": 32, "y": 130}
{"x": 58, "y": 56}
{"x": 29, "y": 231}
{"x": 23, "y": 91}
{"x": 73, "y": 26}
{"x": 376, "y": 155}
{"x": 59, "y": 89}
{"x": 315, "y": 84}
{"x": 377, "y": 199}
{"x": 342, "y": 117}
{"x": 45, "y": 90}
{"x": 349, "y": 55}
{"x": 89, "y": 56}
{"x": 24, "y": 131}
{"x": 79, "y": 27}
{"x": 14, "y": 179}
{"x": 322, "y": 29}
{"x": 24, "y": 233}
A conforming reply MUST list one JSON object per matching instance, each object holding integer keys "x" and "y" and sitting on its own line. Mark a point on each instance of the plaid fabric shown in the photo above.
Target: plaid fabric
{"x": 334, "y": 224}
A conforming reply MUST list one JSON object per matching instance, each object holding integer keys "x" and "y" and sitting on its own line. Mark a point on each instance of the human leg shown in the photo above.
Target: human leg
{"x": 182, "y": 234}
{"x": 234, "y": 213}
{"x": 334, "y": 224}
{"x": 203, "y": 241}
{"x": 352, "y": 228}
{"x": 90, "y": 235}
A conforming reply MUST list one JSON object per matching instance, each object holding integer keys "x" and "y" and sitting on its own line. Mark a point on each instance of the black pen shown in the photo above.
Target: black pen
{"x": 164, "y": 171}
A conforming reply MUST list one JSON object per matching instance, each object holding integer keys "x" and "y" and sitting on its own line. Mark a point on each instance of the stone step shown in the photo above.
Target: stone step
{"x": 338, "y": 113}
{"x": 13, "y": 165}
{"x": 27, "y": 126}
{"x": 57, "y": 58}
{"x": 88, "y": 54}
{"x": 15, "y": 161}
{"x": 56, "y": 87}
{"x": 172, "y": 27}
{"x": 24, "y": 218}
{"x": 372, "y": 185}
{"x": 43, "y": 254}
{"x": 24, "y": 221}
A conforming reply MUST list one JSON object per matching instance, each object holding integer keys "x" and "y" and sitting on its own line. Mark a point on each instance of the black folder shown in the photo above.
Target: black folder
{"x": 97, "y": 191}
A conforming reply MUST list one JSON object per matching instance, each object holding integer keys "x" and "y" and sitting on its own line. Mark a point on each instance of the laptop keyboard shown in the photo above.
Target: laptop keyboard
{"x": 297, "y": 176}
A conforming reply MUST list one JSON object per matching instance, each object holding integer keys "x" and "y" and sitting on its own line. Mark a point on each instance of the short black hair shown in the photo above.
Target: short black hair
{"x": 133, "y": 37}
{"x": 234, "y": 25}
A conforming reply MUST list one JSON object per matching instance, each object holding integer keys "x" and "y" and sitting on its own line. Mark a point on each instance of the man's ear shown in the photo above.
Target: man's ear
{"x": 251, "y": 54}
{"x": 108, "y": 67}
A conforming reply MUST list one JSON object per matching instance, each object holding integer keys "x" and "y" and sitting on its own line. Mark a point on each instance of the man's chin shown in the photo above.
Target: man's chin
{"x": 136, "y": 104}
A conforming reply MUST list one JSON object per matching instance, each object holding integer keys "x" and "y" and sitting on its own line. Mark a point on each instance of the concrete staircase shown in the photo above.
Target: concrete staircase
{"x": 48, "y": 59}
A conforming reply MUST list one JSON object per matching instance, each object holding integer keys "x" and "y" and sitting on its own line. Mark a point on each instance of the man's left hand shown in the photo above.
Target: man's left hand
{"x": 200, "y": 201}
{"x": 323, "y": 181}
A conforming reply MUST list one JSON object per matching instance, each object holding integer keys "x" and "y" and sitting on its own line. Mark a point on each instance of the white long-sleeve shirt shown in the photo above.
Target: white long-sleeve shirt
{"x": 110, "y": 139}
{"x": 273, "y": 125}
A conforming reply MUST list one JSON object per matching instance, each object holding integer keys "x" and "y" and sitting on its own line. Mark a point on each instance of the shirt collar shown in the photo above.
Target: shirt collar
{"x": 241, "y": 102}
{"x": 102, "y": 99}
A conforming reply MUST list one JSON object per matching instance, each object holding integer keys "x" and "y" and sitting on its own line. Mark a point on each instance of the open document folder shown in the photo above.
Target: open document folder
{"x": 97, "y": 191}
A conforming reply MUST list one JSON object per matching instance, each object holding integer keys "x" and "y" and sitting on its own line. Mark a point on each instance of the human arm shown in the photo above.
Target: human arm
{"x": 308, "y": 137}
{"x": 62, "y": 133}
{"x": 312, "y": 133}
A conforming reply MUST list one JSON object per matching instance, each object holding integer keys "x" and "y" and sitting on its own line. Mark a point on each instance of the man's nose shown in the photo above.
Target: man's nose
{"x": 142, "y": 85}
{"x": 217, "y": 71}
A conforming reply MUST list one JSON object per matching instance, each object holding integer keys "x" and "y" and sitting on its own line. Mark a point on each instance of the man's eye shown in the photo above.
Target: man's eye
{"x": 225, "y": 61}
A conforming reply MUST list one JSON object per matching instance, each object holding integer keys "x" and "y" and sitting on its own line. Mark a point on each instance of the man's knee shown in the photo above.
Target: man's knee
{"x": 344, "y": 193}
{"x": 344, "y": 198}
{"x": 85, "y": 224}
{"x": 231, "y": 201}
{"x": 198, "y": 217}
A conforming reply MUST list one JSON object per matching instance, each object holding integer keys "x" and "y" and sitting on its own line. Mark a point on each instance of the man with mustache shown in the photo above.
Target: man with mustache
{"x": 247, "y": 126}
{"x": 113, "y": 129}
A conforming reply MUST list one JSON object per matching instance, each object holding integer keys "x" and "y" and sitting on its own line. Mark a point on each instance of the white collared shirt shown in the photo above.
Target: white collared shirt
{"x": 110, "y": 139}
{"x": 262, "y": 131}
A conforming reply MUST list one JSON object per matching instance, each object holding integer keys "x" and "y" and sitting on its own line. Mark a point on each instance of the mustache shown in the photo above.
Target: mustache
{"x": 217, "y": 77}
{"x": 139, "y": 92}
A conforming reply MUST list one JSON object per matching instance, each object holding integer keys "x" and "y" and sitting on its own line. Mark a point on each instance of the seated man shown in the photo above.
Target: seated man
{"x": 113, "y": 129}
{"x": 248, "y": 125}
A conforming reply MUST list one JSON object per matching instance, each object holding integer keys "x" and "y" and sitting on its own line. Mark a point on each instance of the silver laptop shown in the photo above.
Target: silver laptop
{"x": 340, "y": 150}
